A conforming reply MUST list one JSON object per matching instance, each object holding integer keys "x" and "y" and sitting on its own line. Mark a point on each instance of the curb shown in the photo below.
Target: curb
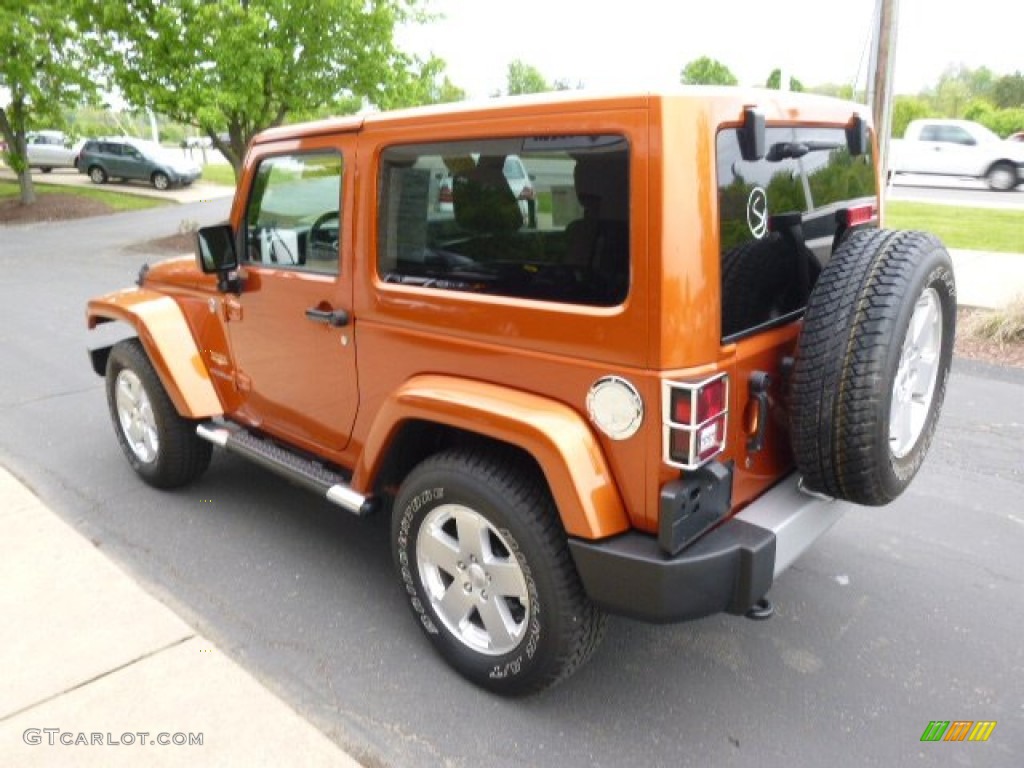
{"x": 97, "y": 672}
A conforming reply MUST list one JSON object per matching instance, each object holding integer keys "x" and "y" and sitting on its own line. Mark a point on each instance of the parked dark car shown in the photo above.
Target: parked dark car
{"x": 129, "y": 158}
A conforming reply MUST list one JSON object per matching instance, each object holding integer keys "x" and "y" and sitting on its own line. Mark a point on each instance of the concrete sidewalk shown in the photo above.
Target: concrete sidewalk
{"x": 986, "y": 279}
{"x": 97, "y": 672}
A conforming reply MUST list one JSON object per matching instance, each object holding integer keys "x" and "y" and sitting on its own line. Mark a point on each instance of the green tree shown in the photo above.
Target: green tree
{"x": 836, "y": 90}
{"x": 1000, "y": 121}
{"x": 952, "y": 93}
{"x": 1008, "y": 91}
{"x": 240, "y": 66}
{"x": 44, "y": 69}
{"x": 707, "y": 71}
{"x": 774, "y": 82}
{"x": 422, "y": 82}
{"x": 907, "y": 108}
{"x": 981, "y": 83}
{"x": 524, "y": 78}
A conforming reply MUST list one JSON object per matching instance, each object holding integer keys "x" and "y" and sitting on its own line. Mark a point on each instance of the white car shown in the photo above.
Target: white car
{"x": 47, "y": 150}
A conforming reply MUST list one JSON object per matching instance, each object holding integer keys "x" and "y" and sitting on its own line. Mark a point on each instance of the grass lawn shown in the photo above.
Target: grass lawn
{"x": 219, "y": 174}
{"x": 115, "y": 200}
{"x": 979, "y": 229}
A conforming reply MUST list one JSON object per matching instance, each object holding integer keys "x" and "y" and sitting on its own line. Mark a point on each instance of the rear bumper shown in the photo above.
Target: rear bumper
{"x": 728, "y": 569}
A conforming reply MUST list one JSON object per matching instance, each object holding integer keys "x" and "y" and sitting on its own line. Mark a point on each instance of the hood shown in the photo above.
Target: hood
{"x": 181, "y": 271}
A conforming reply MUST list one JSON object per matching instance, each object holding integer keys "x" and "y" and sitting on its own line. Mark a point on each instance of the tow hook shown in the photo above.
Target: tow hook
{"x": 761, "y": 610}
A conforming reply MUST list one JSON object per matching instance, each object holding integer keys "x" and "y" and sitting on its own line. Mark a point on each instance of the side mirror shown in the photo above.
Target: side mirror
{"x": 858, "y": 138}
{"x": 215, "y": 249}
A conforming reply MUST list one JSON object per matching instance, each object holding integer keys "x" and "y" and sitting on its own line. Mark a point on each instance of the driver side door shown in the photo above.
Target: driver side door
{"x": 290, "y": 327}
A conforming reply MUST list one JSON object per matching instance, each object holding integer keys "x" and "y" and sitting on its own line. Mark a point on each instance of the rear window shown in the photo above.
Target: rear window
{"x": 777, "y": 219}
{"x": 543, "y": 218}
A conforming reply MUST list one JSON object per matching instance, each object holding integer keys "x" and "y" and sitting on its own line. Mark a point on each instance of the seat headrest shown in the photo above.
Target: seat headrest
{"x": 602, "y": 185}
{"x": 483, "y": 199}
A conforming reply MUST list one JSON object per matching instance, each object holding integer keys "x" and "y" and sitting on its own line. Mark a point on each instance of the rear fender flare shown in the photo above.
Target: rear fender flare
{"x": 552, "y": 433}
{"x": 165, "y": 335}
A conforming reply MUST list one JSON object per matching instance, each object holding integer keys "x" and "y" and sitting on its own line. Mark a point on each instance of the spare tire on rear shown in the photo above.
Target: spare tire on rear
{"x": 872, "y": 363}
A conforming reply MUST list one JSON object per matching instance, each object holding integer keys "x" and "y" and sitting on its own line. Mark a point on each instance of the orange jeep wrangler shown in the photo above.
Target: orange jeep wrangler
{"x": 590, "y": 354}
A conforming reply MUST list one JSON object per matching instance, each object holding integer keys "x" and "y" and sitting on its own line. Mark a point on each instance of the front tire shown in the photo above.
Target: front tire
{"x": 161, "y": 446}
{"x": 161, "y": 181}
{"x": 483, "y": 558}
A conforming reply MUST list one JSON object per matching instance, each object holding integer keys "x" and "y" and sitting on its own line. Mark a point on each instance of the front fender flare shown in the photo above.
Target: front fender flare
{"x": 552, "y": 433}
{"x": 165, "y": 335}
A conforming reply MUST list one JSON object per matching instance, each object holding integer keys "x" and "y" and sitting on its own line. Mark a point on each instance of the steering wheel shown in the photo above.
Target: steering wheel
{"x": 318, "y": 233}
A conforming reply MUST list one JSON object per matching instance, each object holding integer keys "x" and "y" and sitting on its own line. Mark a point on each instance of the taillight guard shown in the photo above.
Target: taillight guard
{"x": 695, "y": 419}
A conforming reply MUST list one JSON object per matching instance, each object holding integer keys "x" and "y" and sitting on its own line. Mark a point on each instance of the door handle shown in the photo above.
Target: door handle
{"x": 759, "y": 383}
{"x": 336, "y": 318}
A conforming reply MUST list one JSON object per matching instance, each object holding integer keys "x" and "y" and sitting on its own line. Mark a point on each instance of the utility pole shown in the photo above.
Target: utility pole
{"x": 880, "y": 74}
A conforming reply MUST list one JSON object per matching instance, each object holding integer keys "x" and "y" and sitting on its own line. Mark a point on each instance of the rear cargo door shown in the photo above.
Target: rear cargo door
{"x": 779, "y": 218}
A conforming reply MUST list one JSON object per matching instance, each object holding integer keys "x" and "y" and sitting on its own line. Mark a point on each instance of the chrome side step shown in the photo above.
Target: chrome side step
{"x": 309, "y": 474}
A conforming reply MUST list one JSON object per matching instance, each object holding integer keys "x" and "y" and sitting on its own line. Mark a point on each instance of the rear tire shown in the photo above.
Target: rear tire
{"x": 161, "y": 446}
{"x": 871, "y": 365}
{"x": 97, "y": 175}
{"x": 1002, "y": 177}
{"x": 484, "y": 560}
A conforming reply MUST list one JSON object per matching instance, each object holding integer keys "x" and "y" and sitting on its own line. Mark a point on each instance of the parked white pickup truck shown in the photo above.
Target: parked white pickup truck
{"x": 958, "y": 148}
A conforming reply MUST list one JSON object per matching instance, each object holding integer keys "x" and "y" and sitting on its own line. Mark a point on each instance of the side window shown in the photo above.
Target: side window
{"x": 294, "y": 216}
{"x": 542, "y": 218}
{"x": 958, "y": 135}
{"x": 930, "y": 133}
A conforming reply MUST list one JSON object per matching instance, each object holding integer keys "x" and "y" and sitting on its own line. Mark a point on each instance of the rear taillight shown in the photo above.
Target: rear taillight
{"x": 858, "y": 214}
{"x": 445, "y": 195}
{"x": 695, "y": 418}
{"x": 526, "y": 193}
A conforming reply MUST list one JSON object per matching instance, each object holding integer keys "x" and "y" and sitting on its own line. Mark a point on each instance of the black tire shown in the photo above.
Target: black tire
{"x": 849, "y": 353}
{"x": 1002, "y": 176}
{"x": 169, "y": 454}
{"x": 160, "y": 181}
{"x": 97, "y": 175}
{"x": 760, "y": 282}
{"x": 556, "y": 627}
{"x": 45, "y": 169}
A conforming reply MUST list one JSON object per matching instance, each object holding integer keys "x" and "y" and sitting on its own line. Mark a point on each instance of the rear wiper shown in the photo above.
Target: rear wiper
{"x": 792, "y": 149}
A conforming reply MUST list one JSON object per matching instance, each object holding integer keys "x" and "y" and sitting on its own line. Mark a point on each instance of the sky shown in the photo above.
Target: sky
{"x": 643, "y": 44}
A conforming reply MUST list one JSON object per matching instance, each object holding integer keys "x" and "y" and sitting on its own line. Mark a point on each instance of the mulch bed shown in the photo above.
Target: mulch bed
{"x": 986, "y": 351}
{"x": 51, "y": 206}
{"x": 172, "y": 245}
